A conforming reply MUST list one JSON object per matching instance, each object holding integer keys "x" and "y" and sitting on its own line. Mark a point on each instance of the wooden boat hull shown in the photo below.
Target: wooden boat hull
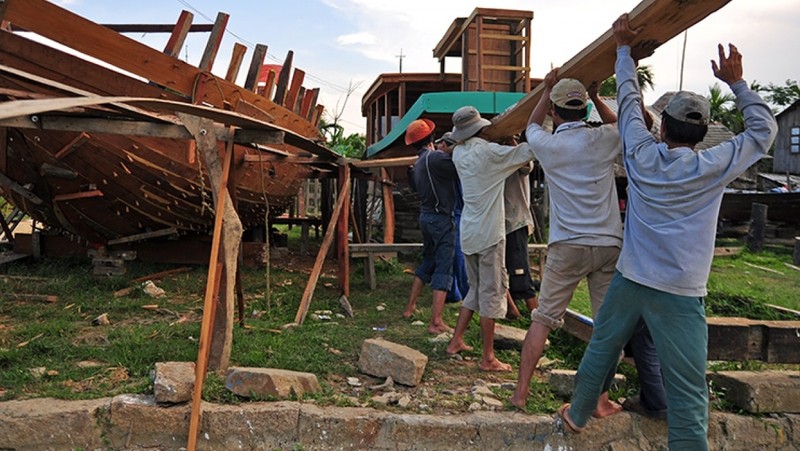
{"x": 781, "y": 207}
{"x": 102, "y": 186}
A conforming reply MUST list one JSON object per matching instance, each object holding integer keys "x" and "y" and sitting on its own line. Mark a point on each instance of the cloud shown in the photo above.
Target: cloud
{"x": 362, "y": 37}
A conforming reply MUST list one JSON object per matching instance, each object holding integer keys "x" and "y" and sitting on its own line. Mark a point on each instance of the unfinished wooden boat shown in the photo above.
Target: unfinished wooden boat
{"x": 104, "y": 151}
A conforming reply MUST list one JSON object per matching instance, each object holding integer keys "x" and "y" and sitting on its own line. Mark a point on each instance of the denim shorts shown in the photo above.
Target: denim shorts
{"x": 438, "y": 249}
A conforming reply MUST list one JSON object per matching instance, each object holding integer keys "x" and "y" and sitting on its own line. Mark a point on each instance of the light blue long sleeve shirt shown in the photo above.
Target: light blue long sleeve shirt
{"x": 674, "y": 194}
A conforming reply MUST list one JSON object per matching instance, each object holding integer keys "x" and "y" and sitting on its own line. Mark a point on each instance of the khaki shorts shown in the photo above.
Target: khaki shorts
{"x": 488, "y": 282}
{"x": 566, "y": 266}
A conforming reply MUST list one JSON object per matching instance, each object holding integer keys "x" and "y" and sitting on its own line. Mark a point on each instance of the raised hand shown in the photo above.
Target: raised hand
{"x": 729, "y": 69}
{"x": 623, "y": 33}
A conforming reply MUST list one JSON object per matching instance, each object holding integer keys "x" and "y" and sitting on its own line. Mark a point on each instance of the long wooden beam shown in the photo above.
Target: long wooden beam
{"x": 308, "y": 293}
{"x": 663, "y": 20}
{"x": 135, "y": 128}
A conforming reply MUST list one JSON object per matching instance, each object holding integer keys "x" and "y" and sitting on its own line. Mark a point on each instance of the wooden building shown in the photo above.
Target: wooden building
{"x": 494, "y": 48}
{"x": 787, "y": 143}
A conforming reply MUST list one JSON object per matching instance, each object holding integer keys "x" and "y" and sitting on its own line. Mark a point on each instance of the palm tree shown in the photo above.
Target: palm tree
{"x": 723, "y": 109}
{"x": 644, "y": 75}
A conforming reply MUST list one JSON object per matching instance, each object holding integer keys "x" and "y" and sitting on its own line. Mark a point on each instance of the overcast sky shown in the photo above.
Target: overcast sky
{"x": 350, "y": 42}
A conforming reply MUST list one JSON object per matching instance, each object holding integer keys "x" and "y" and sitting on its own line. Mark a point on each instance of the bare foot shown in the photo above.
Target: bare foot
{"x": 495, "y": 365}
{"x": 455, "y": 348}
{"x": 408, "y": 313}
{"x": 440, "y": 328}
{"x": 518, "y": 400}
{"x": 513, "y": 314}
{"x": 606, "y": 408}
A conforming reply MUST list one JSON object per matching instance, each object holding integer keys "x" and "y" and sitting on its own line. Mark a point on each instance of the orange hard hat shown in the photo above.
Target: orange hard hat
{"x": 419, "y": 130}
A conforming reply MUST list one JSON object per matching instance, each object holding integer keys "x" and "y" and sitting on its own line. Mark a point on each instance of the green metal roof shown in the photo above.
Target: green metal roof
{"x": 488, "y": 103}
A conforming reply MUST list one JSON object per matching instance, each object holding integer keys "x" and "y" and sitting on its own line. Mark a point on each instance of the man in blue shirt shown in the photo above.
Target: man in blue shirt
{"x": 435, "y": 179}
{"x": 674, "y": 194}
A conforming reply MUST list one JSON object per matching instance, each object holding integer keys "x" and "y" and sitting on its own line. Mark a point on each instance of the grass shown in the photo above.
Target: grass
{"x": 53, "y": 350}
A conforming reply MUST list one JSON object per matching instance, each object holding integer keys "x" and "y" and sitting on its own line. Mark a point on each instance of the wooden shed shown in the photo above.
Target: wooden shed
{"x": 787, "y": 143}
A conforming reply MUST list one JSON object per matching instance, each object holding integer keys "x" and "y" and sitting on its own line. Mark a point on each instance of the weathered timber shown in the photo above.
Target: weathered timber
{"x": 283, "y": 79}
{"x": 214, "y": 41}
{"x": 179, "y": 32}
{"x": 236, "y": 62}
{"x": 663, "y": 20}
{"x": 256, "y": 64}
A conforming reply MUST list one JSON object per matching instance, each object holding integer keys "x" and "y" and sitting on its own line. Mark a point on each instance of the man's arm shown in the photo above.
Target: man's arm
{"x": 606, "y": 115}
{"x": 633, "y": 129}
{"x": 739, "y": 153}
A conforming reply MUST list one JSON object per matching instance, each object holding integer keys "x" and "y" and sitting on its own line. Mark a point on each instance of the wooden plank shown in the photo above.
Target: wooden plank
{"x": 50, "y": 21}
{"x": 309, "y": 101}
{"x": 3, "y": 149}
{"x": 726, "y": 251}
{"x": 8, "y": 183}
{"x": 256, "y": 64}
{"x": 78, "y": 195}
{"x": 269, "y": 84}
{"x": 179, "y": 33}
{"x": 309, "y": 114}
{"x": 134, "y": 128}
{"x": 209, "y": 300}
{"x": 236, "y": 62}
{"x": 577, "y": 325}
{"x": 214, "y": 41}
{"x": 308, "y": 293}
{"x": 71, "y": 146}
{"x": 388, "y": 207}
{"x": 297, "y": 82}
{"x": 298, "y": 104}
{"x": 663, "y": 20}
{"x": 283, "y": 79}
{"x": 367, "y": 248}
{"x": 316, "y": 114}
{"x": 384, "y": 162}
{"x": 342, "y": 229}
{"x": 34, "y": 297}
{"x": 143, "y": 236}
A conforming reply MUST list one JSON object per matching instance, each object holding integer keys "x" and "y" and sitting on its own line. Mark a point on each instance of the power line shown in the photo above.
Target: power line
{"x": 269, "y": 55}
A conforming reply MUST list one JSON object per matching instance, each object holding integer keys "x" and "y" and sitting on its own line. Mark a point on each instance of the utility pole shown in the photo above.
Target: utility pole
{"x": 401, "y": 56}
{"x": 683, "y": 58}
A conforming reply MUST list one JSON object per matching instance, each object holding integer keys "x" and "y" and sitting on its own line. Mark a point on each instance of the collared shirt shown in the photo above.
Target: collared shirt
{"x": 674, "y": 194}
{"x": 483, "y": 167}
{"x": 578, "y": 163}
{"x": 435, "y": 179}
{"x": 517, "y": 197}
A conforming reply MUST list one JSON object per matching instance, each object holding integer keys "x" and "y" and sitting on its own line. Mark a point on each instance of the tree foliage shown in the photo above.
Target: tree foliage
{"x": 723, "y": 106}
{"x": 644, "y": 74}
{"x": 348, "y": 146}
{"x": 782, "y": 95}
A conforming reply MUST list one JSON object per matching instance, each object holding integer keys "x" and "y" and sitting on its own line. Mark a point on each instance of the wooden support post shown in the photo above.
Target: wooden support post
{"x": 797, "y": 250}
{"x": 214, "y": 41}
{"x": 256, "y": 64}
{"x": 758, "y": 222}
{"x": 388, "y": 208}
{"x": 269, "y": 84}
{"x": 302, "y": 310}
{"x": 236, "y": 62}
{"x": 342, "y": 229}
{"x": 294, "y": 90}
{"x": 283, "y": 79}
{"x": 179, "y": 33}
{"x": 202, "y": 129}
{"x": 309, "y": 102}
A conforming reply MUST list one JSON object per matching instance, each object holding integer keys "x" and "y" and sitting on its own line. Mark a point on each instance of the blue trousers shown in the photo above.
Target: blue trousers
{"x": 680, "y": 333}
{"x": 652, "y": 393}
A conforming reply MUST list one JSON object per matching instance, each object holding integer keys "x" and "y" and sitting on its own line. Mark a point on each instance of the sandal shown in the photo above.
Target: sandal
{"x": 562, "y": 418}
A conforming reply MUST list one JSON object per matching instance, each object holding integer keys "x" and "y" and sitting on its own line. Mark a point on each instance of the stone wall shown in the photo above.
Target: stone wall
{"x": 129, "y": 422}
